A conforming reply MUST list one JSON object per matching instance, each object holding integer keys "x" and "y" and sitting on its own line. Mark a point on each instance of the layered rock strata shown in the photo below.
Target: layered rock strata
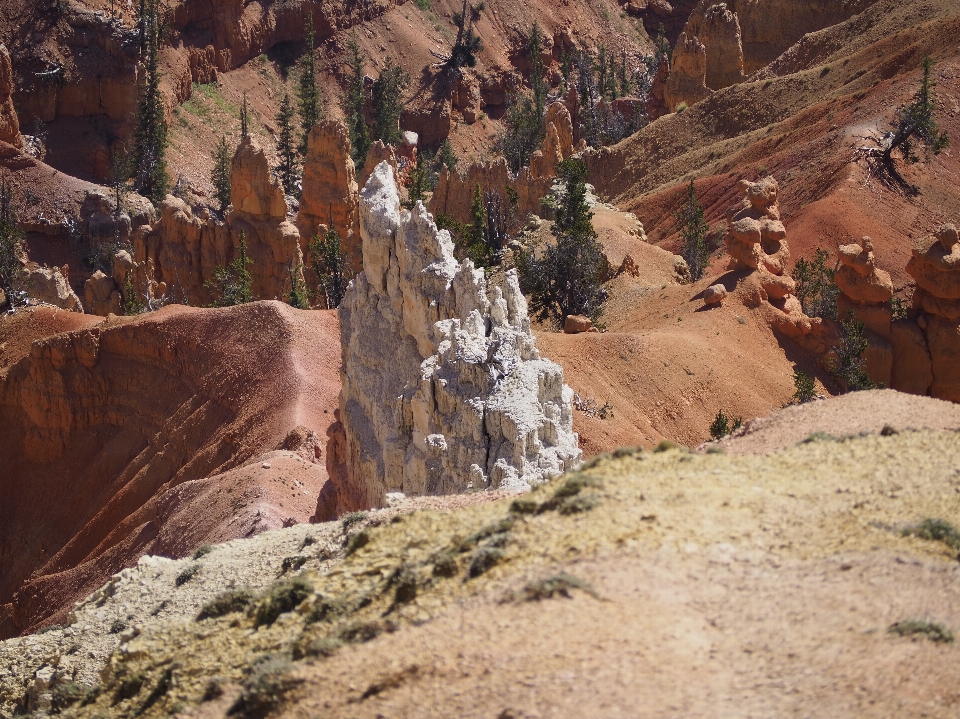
{"x": 443, "y": 389}
{"x": 935, "y": 265}
{"x": 866, "y": 290}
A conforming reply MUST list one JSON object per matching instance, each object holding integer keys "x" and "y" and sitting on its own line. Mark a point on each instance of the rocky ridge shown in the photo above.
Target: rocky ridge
{"x": 443, "y": 389}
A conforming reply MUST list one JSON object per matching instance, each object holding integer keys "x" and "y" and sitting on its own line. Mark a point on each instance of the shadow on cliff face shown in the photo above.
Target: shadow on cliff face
{"x": 111, "y": 433}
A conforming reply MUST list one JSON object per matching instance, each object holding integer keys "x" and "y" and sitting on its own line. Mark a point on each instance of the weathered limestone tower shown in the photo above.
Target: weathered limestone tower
{"x": 443, "y": 387}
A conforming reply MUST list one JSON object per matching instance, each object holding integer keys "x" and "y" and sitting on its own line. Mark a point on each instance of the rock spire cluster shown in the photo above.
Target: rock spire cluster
{"x": 443, "y": 389}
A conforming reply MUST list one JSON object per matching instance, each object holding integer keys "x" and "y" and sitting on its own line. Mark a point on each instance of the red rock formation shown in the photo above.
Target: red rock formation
{"x": 9, "y": 124}
{"x": 455, "y": 193}
{"x": 866, "y": 290}
{"x": 688, "y": 73}
{"x": 330, "y": 191}
{"x": 183, "y": 251}
{"x": 719, "y": 30}
{"x": 935, "y": 265}
{"x": 124, "y": 421}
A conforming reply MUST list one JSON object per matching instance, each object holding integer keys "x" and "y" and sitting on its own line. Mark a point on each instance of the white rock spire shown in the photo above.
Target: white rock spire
{"x": 443, "y": 386}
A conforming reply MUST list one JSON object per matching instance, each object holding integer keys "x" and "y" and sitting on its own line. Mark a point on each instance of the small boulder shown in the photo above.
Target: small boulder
{"x": 714, "y": 295}
{"x": 575, "y": 324}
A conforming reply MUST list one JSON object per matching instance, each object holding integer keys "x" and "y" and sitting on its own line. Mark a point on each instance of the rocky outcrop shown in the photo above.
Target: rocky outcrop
{"x": 330, "y": 193}
{"x": 443, "y": 387}
{"x": 719, "y": 30}
{"x": 935, "y": 265}
{"x": 454, "y": 192}
{"x": 184, "y": 249}
{"x": 9, "y": 124}
{"x": 378, "y": 152}
{"x": 756, "y": 241}
{"x": 686, "y": 84}
{"x": 102, "y": 296}
{"x": 756, "y": 238}
{"x": 51, "y": 286}
{"x": 866, "y": 290}
{"x": 557, "y": 142}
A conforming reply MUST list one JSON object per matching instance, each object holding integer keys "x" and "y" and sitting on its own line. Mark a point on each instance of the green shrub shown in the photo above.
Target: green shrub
{"x": 284, "y": 596}
{"x": 850, "y": 366}
{"x": 805, "y": 387}
{"x": 937, "y": 530}
{"x": 723, "y": 425}
{"x": 815, "y": 288}
{"x": 187, "y": 574}
{"x": 202, "y": 551}
{"x": 933, "y": 631}
{"x": 559, "y": 584}
{"x": 228, "y": 602}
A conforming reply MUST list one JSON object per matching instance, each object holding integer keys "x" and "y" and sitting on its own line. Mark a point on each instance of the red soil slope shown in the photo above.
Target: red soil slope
{"x": 110, "y": 431}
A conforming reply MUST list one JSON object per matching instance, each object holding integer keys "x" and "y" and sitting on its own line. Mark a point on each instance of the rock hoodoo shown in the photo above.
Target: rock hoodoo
{"x": 688, "y": 72}
{"x": 935, "y": 265}
{"x": 330, "y": 192}
{"x": 443, "y": 388}
{"x": 757, "y": 242}
{"x": 184, "y": 249}
{"x": 719, "y": 30}
{"x": 9, "y": 124}
{"x": 866, "y": 290}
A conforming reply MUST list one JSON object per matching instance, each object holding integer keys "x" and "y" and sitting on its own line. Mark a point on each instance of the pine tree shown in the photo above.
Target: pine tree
{"x": 467, "y": 45}
{"x": 602, "y": 71}
{"x": 568, "y": 279}
{"x": 150, "y": 135}
{"x": 418, "y": 181}
{"x": 353, "y": 101}
{"x": 244, "y": 117}
{"x": 308, "y": 92}
{"x": 285, "y": 146}
{"x": 537, "y": 82}
{"x": 220, "y": 176}
{"x": 915, "y": 123}
{"x": 624, "y": 76}
{"x": 298, "y": 288}
{"x": 231, "y": 285}
{"x": 447, "y": 157}
{"x": 330, "y": 266}
{"x": 388, "y": 102}
{"x": 11, "y": 246}
{"x": 850, "y": 366}
{"x": 693, "y": 230}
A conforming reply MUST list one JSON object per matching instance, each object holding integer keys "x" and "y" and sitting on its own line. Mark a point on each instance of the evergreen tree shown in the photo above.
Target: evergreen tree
{"x": 353, "y": 102}
{"x": 308, "y": 92}
{"x": 150, "y": 135}
{"x": 467, "y": 44}
{"x": 915, "y": 123}
{"x": 661, "y": 48}
{"x": 330, "y": 266}
{"x": 132, "y": 305}
{"x": 298, "y": 288}
{"x": 418, "y": 182}
{"x": 222, "y": 170}
{"x": 231, "y": 285}
{"x": 602, "y": 68}
{"x": 446, "y": 156}
{"x": 388, "y": 102}
{"x": 522, "y": 131}
{"x": 850, "y": 365}
{"x": 285, "y": 146}
{"x": 568, "y": 279}
{"x": 537, "y": 82}
{"x": 816, "y": 289}
{"x": 11, "y": 246}
{"x": 244, "y": 117}
{"x": 693, "y": 230}
{"x": 624, "y": 76}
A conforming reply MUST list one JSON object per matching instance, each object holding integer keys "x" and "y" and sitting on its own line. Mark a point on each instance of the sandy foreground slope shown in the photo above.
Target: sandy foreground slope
{"x": 682, "y": 585}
